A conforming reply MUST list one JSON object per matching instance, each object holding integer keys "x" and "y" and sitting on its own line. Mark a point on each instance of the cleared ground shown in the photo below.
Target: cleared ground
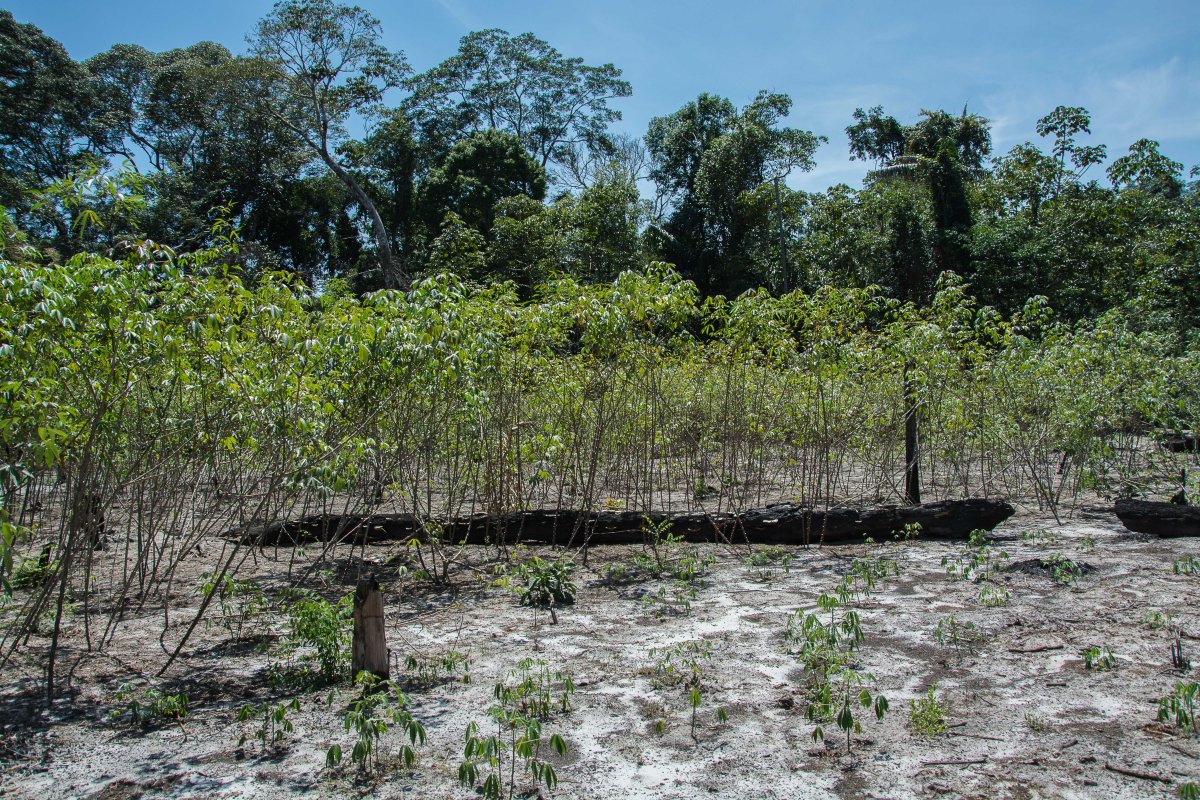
{"x": 1026, "y": 718}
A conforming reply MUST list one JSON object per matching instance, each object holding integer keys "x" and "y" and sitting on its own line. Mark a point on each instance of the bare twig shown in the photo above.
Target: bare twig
{"x": 1133, "y": 773}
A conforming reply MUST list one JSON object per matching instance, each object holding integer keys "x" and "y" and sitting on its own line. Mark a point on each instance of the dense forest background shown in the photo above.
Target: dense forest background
{"x": 499, "y": 165}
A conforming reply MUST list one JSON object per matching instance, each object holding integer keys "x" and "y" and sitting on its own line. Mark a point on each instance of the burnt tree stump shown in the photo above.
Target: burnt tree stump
{"x": 369, "y": 650}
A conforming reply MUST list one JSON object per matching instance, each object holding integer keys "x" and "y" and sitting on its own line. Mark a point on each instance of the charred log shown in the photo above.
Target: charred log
{"x": 1168, "y": 520}
{"x": 785, "y": 523}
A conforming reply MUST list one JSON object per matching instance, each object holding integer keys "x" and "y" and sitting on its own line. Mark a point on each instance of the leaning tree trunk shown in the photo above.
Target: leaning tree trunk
{"x": 393, "y": 274}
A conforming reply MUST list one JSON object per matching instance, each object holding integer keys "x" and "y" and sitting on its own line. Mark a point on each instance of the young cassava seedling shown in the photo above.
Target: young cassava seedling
{"x": 843, "y": 692}
{"x": 683, "y": 666}
{"x": 962, "y": 636}
{"x": 533, "y": 694}
{"x": 1099, "y": 658}
{"x": 379, "y": 707}
{"x": 274, "y": 725}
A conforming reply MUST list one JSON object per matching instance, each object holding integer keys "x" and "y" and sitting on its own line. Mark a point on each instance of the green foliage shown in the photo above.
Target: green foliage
{"x": 1099, "y": 658}
{"x": 328, "y": 62}
{"x": 274, "y": 725}
{"x": 962, "y": 636}
{"x": 1156, "y": 619}
{"x": 426, "y": 671}
{"x": 927, "y": 715}
{"x": 833, "y": 686}
{"x": 535, "y": 690}
{"x": 546, "y": 583}
{"x": 664, "y": 554}
{"x": 166, "y": 376}
{"x": 706, "y": 157}
{"x": 842, "y": 694}
{"x": 148, "y": 706}
{"x": 475, "y": 175}
{"x": 1041, "y": 538}
{"x": 767, "y": 562}
{"x": 674, "y": 600}
{"x": 378, "y": 708}
{"x": 523, "y": 745}
{"x": 325, "y": 627}
{"x": 979, "y": 563}
{"x": 532, "y": 695}
{"x": 1188, "y": 565}
{"x": 1063, "y": 571}
{"x": 519, "y": 85}
{"x": 10, "y": 536}
{"x": 30, "y": 573}
{"x": 1179, "y": 707}
{"x": 238, "y": 601}
{"x": 909, "y": 533}
{"x": 459, "y": 249}
{"x": 682, "y": 666}
{"x": 994, "y": 596}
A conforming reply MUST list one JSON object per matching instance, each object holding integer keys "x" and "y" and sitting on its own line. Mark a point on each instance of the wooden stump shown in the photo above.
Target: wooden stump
{"x": 369, "y": 650}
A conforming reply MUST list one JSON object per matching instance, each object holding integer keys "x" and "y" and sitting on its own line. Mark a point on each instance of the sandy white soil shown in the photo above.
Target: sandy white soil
{"x": 1090, "y": 725}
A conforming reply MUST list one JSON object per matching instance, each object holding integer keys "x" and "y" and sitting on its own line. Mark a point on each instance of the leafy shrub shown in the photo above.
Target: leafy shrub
{"x": 1063, "y": 571}
{"x": 535, "y": 690}
{"x": 683, "y": 665}
{"x": 238, "y": 602}
{"x": 1099, "y": 658}
{"x": 148, "y": 706}
{"x": 962, "y": 636}
{"x": 927, "y": 715}
{"x": 325, "y": 627}
{"x": 532, "y": 695}
{"x": 426, "y": 671}
{"x": 1180, "y": 707}
{"x": 546, "y": 584}
{"x": 1188, "y": 565}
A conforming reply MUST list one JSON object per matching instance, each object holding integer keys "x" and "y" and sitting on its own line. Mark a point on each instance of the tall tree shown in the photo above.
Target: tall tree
{"x": 521, "y": 85}
{"x": 705, "y": 157}
{"x": 941, "y": 151}
{"x": 1065, "y": 123}
{"x": 331, "y": 65}
{"x": 159, "y": 105}
{"x": 1146, "y": 169}
{"x": 478, "y": 172}
{"x": 46, "y": 125}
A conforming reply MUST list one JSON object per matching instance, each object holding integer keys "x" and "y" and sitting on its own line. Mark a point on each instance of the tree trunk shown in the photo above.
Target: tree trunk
{"x": 394, "y": 276}
{"x": 912, "y": 463}
{"x": 369, "y": 650}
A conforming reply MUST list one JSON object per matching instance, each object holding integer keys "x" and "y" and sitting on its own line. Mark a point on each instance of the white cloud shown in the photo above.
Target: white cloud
{"x": 462, "y": 15}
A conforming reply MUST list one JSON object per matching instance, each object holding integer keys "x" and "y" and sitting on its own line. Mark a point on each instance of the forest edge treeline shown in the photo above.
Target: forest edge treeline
{"x": 500, "y": 164}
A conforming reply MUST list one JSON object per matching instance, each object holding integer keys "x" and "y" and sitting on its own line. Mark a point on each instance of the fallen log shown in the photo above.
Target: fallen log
{"x": 784, "y": 523}
{"x": 1168, "y": 520}
{"x": 1180, "y": 442}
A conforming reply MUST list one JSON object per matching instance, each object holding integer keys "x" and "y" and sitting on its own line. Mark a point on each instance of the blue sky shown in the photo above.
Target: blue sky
{"x": 1135, "y": 66}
